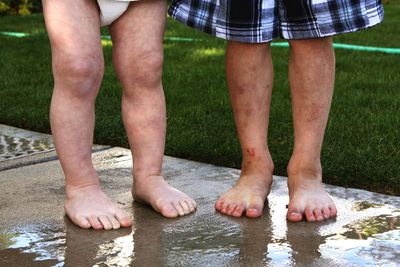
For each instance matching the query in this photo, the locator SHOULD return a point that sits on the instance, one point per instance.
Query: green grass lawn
(362, 142)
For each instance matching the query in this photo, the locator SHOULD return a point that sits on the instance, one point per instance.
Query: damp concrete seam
(37, 153)
(40, 160)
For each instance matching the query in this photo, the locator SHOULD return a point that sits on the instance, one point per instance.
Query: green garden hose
(276, 44)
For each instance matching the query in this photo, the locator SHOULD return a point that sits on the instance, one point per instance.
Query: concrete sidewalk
(34, 231)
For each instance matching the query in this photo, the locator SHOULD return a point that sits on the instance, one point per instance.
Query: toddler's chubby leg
(73, 28)
(138, 58)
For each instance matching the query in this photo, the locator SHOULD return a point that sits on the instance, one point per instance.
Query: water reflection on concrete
(38, 245)
(370, 242)
(201, 241)
(43, 246)
(366, 232)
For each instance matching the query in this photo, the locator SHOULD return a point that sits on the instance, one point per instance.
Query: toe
(178, 208)
(326, 212)
(309, 215)
(219, 204)
(95, 223)
(238, 212)
(254, 211)
(114, 222)
(230, 209)
(168, 210)
(318, 214)
(194, 204)
(224, 208)
(123, 218)
(255, 207)
(82, 222)
(294, 215)
(333, 211)
(185, 206)
(192, 207)
(105, 222)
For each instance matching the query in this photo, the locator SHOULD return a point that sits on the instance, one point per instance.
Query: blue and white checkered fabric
(257, 21)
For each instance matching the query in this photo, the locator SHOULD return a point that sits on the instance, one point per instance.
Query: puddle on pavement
(369, 242)
(32, 246)
(47, 246)
(201, 241)
(363, 205)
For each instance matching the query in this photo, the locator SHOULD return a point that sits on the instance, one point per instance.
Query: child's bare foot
(308, 198)
(89, 207)
(247, 196)
(250, 192)
(156, 192)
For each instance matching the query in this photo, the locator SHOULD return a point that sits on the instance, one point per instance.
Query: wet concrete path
(34, 231)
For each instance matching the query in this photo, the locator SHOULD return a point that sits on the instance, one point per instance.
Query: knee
(311, 45)
(80, 76)
(142, 71)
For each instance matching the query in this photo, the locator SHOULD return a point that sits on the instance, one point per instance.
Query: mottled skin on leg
(138, 61)
(249, 75)
(78, 69)
(311, 82)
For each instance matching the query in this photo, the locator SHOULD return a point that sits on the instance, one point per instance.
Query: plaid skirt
(257, 21)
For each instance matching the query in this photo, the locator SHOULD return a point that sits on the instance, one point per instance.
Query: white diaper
(111, 10)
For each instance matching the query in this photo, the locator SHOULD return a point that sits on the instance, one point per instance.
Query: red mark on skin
(248, 112)
(251, 152)
(316, 112)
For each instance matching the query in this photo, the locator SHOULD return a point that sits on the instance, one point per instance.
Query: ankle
(257, 163)
(72, 190)
(144, 173)
(146, 178)
(301, 167)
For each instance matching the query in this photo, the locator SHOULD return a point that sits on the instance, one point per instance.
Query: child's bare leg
(311, 73)
(138, 60)
(250, 76)
(73, 28)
